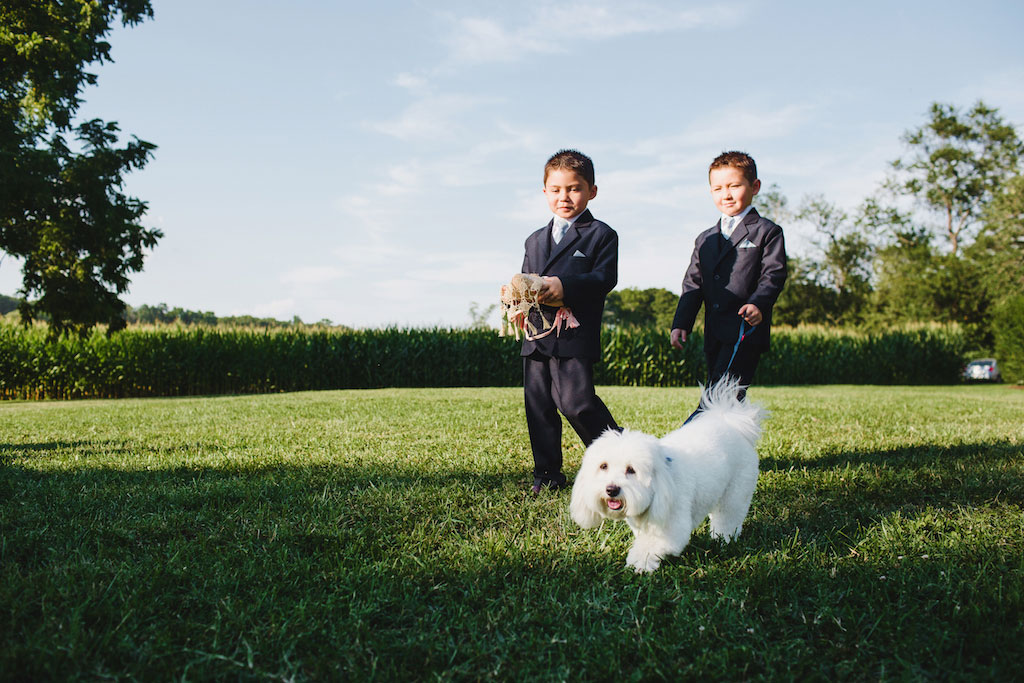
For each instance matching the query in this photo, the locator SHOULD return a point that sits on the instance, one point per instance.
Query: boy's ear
(757, 185)
(593, 192)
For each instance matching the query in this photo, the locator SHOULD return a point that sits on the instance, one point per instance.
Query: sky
(381, 163)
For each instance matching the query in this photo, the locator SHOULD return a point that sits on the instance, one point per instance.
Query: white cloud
(311, 275)
(453, 271)
(483, 40)
(1001, 90)
(656, 185)
(625, 18)
(432, 117)
(732, 125)
(371, 213)
(402, 179)
(412, 82)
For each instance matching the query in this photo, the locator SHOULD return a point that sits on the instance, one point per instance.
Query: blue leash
(744, 330)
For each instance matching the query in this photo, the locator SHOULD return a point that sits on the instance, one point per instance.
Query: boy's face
(567, 193)
(731, 191)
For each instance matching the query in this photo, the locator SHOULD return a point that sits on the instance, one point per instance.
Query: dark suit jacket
(587, 262)
(724, 275)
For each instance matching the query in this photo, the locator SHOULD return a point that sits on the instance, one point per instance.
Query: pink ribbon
(563, 316)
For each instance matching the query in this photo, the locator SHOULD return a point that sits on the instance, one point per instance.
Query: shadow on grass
(325, 570)
(835, 497)
(373, 511)
(911, 456)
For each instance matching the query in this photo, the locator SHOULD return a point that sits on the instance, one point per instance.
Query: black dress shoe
(559, 484)
(551, 484)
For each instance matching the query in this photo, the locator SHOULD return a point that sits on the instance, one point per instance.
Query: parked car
(982, 370)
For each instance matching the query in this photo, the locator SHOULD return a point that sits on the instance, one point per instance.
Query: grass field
(387, 535)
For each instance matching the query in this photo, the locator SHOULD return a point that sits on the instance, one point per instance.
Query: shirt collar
(736, 220)
(572, 221)
(740, 216)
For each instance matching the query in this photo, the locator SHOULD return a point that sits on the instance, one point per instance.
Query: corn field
(178, 361)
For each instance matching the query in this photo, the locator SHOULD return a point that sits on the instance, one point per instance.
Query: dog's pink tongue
(614, 504)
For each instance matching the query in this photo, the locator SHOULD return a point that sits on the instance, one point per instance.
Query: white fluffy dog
(664, 488)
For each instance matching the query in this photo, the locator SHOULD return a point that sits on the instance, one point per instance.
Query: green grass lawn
(388, 535)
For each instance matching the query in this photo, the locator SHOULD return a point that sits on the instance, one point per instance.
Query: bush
(918, 354)
(179, 361)
(1008, 330)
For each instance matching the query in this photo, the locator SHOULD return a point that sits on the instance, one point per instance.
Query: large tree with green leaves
(999, 249)
(62, 206)
(804, 300)
(844, 256)
(631, 307)
(955, 164)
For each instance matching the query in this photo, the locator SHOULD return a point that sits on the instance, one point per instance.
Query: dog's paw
(642, 561)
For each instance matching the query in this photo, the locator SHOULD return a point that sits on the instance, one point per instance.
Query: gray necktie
(558, 229)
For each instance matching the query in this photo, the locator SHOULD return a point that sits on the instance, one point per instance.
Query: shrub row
(1008, 325)
(171, 361)
(804, 355)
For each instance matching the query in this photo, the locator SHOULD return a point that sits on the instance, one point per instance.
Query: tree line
(161, 314)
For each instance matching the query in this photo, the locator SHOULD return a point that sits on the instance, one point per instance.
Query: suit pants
(718, 355)
(566, 385)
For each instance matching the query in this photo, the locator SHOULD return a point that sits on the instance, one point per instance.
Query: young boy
(578, 257)
(737, 271)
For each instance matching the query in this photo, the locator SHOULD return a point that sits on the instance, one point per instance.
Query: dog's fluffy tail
(721, 400)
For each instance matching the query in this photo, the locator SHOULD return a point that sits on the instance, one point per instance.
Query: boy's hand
(551, 290)
(751, 314)
(677, 337)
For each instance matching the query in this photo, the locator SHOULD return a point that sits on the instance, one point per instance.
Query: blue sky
(381, 163)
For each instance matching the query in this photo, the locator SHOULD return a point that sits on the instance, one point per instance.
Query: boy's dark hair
(740, 160)
(571, 160)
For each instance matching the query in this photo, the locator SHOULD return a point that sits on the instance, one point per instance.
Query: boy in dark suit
(737, 271)
(578, 257)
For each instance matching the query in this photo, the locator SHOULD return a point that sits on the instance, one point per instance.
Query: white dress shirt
(729, 223)
(569, 223)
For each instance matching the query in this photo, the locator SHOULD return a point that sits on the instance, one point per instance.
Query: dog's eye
(630, 470)
(603, 466)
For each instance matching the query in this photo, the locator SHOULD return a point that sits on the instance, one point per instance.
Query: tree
(1008, 323)
(999, 249)
(8, 304)
(632, 307)
(903, 287)
(954, 166)
(845, 256)
(804, 299)
(772, 204)
(62, 208)
(478, 315)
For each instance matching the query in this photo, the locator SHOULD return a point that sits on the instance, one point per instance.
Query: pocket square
(746, 244)
(579, 254)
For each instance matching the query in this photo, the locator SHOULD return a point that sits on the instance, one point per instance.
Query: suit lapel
(742, 230)
(545, 247)
(739, 233)
(713, 247)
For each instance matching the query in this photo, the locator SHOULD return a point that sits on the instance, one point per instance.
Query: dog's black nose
(612, 490)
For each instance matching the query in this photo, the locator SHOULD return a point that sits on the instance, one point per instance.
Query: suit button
(718, 277)
(715, 307)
